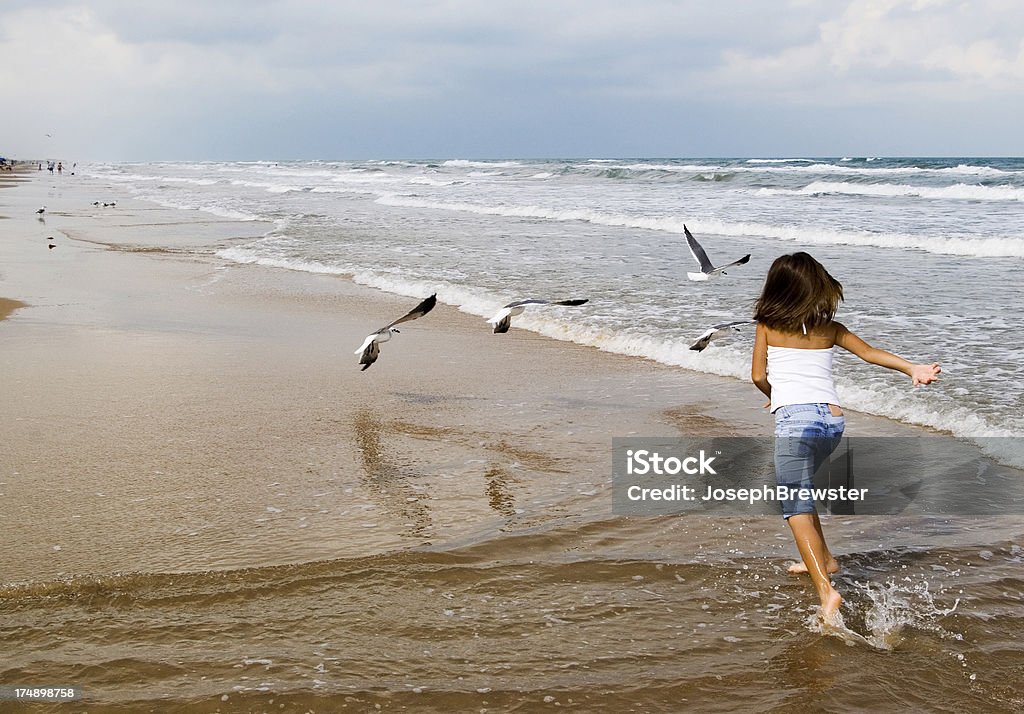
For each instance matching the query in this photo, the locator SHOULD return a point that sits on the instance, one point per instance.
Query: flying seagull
(716, 331)
(502, 320)
(41, 211)
(707, 269)
(370, 348)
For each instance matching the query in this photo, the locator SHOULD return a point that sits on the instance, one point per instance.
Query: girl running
(792, 365)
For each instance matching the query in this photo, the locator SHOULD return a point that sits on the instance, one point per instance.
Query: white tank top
(800, 376)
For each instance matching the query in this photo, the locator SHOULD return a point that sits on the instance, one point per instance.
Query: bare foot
(798, 568)
(830, 605)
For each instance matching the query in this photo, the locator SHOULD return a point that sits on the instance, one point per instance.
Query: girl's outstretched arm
(759, 361)
(919, 373)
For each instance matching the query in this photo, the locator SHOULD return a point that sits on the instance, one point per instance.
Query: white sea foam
(424, 181)
(344, 189)
(211, 208)
(820, 168)
(881, 399)
(951, 245)
(463, 163)
(960, 191)
(374, 178)
(245, 255)
(780, 161)
(193, 181)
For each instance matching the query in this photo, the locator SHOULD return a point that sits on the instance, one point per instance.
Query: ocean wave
(213, 209)
(812, 168)
(725, 360)
(463, 163)
(344, 189)
(947, 245)
(714, 177)
(193, 181)
(880, 400)
(780, 161)
(960, 191)
(246, 255)
(424, 181)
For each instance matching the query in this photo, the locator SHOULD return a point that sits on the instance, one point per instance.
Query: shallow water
(621, 615)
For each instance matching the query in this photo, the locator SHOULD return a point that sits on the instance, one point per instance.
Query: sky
(140, 80)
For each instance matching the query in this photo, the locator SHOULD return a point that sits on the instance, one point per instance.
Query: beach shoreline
(193, 438)
(137, 322)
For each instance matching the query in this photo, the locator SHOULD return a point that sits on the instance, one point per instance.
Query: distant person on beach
(60, 167)
(792, 365)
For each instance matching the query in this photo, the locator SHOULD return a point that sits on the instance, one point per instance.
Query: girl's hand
(925, 373)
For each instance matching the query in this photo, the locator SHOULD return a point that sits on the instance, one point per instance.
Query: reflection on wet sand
(391, 483)
(499, 495)
(393, 453)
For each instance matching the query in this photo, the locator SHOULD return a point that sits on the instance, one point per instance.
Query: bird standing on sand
(716, 331)
(370, 348)
(707, 268)
(502, 320)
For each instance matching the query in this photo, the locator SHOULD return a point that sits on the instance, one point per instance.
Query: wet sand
(7, 306)
(184, 413)
(206, 496)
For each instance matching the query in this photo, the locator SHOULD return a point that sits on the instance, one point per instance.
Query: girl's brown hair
(798, 295)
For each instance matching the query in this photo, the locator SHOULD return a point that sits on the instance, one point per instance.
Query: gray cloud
(314, 78)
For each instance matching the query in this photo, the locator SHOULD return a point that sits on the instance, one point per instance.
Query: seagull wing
(536, 301)
(572, 303)
(503, 319)
(500, 315)
(716, 331)
(698, 252)
(370, 339)
(734, 324)
(703, 341)
(741, 261)
(531, 301)
(419, 311)
(370, 353)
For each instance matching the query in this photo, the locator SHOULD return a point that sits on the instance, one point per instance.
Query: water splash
(887, 610)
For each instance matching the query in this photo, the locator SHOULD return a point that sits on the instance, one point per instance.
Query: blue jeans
(805, 436)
